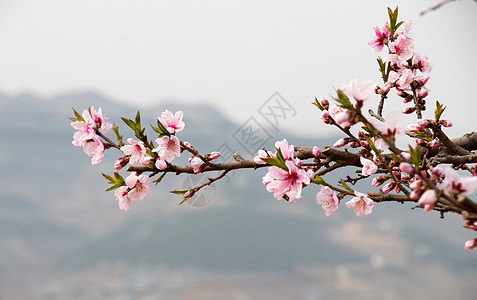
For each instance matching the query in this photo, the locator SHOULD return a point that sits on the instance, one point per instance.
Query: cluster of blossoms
(88, 126)
(92, 126)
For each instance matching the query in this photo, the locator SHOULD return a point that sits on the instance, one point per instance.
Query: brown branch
(435, 7)
(448, 143)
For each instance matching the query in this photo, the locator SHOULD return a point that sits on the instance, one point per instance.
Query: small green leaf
(180, 191)
(130, 123)
(439, 110)
(137, 119)
(78, 117)
(276, 162)
(113, 187)
(119, 137)
(318, 104)
(184, 200)
(343, 100)
(344, 185)
(158, 180)
(415, 156)
(319, 180)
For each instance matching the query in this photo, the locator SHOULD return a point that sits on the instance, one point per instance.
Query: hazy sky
(232, 54)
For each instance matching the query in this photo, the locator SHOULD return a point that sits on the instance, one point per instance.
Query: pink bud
(406, 155)
(387, 87)
(437, 171)
(446, 123)
(377, 90)
(146, 160)
(161, 164)
(414, 127)
(419, 141)
(428, 199)
(408, 110)
(401, 93)
(189, 193)
(212, 155)
(325, 103)
(325, 117)
(341, 142)
(406, 167)
(424, 79)
(423, 93)
(425, 123)
(188, 145)
(434, 143)
(389, 187)
(120, 163)
(471, 244)
(413, 195)
(377, 181)
(316, 152)
(364, 143)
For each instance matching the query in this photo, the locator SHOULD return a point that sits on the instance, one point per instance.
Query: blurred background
(224, 64)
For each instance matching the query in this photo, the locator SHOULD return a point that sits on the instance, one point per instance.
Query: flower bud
(364, 143)
(408, 110)
(212, 155)
(387, 87)
(470, 244)
(423, 93)
(377, 181)
(424, 79)
(325, 103)
(325, 117)
(406, 168)
(434, 143)
(190, 193)
(146, 160)
(341, 142)
(425, 123)
(446, 123)
(121, 162)
(389, 187)
(414, 127)
(316, 152)
(428, 199)
(161, 164)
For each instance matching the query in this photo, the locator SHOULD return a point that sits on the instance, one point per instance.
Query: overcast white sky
(232, 54)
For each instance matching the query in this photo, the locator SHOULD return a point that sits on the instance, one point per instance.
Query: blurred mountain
(56, 220)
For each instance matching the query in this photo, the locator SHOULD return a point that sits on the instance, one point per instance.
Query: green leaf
(415, 156)
(276, 162)
(343, 100)
(78, 117)
(158, 180)
(137, 119)
(113, 187)
(130, 123)
(439, 110)
(184, 200)
(344, 185)
(319, 180)
(115, 181)
(180, 191)
(119, 137)
(318, 104)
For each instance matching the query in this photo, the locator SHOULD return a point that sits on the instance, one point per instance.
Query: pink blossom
(100, 121)
(121, 194)
(138, 186)
(434, 143)
(402, 46)
(328, 199)
(168, 147)
(453, 182)
(316, 152)
(286, 182)
(341, 116)
(361, 204)
(359, 91)
(381, 35)
(196, 163)
(286, 150)
(428, 199)
(173, 123)
(422, 62)
(262, 154)
(85, 130)
(388, 128)
(369, 167)
(470, 244)
(136, 150)
(94, 148)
